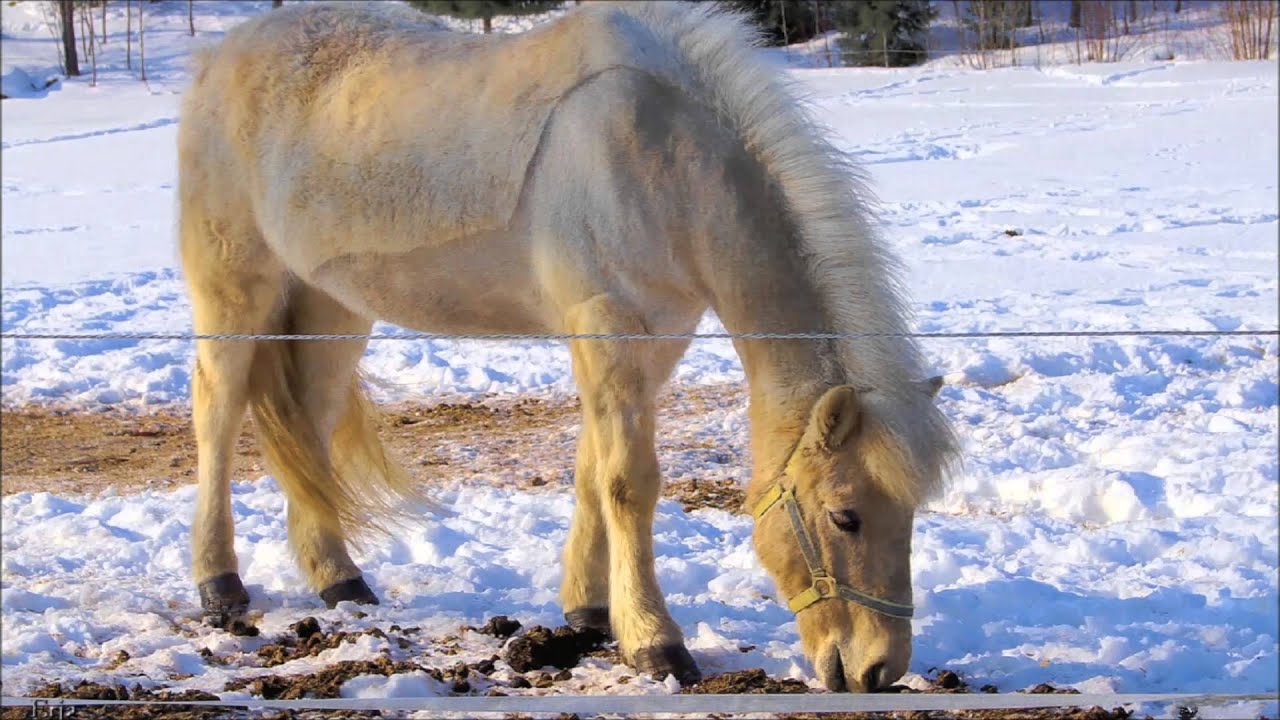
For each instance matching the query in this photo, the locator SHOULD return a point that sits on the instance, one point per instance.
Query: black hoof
(589, 618)
(659, 662)
(226, 604)
(355, 590)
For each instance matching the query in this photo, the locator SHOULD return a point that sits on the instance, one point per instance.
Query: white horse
(619, 170)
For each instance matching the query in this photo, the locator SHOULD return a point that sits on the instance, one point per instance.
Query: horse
(619, 170)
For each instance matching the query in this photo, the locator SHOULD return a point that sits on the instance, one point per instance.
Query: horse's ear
(931, 386)
(836, 417)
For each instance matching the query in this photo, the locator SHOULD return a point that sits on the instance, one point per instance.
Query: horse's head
(834, 530)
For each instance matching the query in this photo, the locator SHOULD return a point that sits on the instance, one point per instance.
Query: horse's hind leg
(235, 286)
(324, 373)
(584, 589)
(619, 382)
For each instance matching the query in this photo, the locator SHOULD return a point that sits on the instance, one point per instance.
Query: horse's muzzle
(833, 672)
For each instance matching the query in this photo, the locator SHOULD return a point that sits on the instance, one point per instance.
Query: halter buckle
(824, 586)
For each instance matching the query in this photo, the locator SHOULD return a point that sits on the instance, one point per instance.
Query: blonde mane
(830, 201)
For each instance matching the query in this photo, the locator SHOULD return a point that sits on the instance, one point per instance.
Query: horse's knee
(636, 493)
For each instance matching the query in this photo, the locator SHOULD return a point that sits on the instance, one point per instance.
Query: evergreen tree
(782, 21)
(888, 33)
(485, 9)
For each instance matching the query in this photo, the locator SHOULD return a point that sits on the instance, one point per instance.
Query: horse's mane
(829, 201)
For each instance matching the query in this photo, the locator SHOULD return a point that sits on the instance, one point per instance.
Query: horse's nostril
(873, 679)
(835, 681)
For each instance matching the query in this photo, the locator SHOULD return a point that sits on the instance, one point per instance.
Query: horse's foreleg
(324, 372)
(618, 382)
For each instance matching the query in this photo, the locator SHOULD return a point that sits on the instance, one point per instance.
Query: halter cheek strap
(822, 585)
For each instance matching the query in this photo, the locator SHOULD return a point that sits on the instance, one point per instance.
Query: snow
(1114, 527)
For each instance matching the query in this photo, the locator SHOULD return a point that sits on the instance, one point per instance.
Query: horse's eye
(846, 520)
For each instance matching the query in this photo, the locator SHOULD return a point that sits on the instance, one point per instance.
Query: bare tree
(1104, 37)
(786, 41)
(104, 22)
(86, 29)
(67, 17)
(1250, 23)
(142, 39)
(819, 28)
(191, 18)
(128, 34)
(84, 41)
(276, 3)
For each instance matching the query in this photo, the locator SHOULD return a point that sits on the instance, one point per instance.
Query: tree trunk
(67, 15)
(128, 34)
(1075, 14)
(1177, 6)
(819, 28)
(276, 3)
(84, 46)
(142, 39)
(488, 24)
(93, 49)
(104, 22)
(786, 40)
(191, 18)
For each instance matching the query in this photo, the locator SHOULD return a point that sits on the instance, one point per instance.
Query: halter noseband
(822, 585)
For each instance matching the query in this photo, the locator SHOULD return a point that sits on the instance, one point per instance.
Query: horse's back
(347, 125)
(386, 161)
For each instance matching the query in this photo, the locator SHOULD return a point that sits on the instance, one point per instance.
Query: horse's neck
(771, 292)
(758, 282)
(785, 378)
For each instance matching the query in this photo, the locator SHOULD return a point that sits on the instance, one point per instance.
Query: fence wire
(704, 705)
(640, 336)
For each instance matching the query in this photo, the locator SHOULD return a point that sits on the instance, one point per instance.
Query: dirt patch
(722, 494)
(98, 691)
(561, 648)
(756, 681)
(499, 626)
(69, 452)
(527, 443)
(308, 640)
(463, 676)
(325, 683)
(745, 682)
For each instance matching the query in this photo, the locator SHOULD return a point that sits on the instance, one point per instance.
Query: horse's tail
(348, 484)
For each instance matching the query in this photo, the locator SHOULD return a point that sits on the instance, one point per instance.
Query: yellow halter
(822, 585)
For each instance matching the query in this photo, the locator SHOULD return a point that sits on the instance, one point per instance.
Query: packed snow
(1114, 527)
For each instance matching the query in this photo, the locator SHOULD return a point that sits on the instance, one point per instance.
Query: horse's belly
(433, 290)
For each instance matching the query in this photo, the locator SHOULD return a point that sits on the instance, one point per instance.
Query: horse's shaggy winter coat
(619, 170)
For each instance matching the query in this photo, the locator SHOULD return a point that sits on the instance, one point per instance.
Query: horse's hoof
(355, 590)
(226, 604)
(589, 618)
(659, 662)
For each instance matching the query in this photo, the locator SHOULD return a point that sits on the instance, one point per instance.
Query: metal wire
(639, 336)
(686, 704)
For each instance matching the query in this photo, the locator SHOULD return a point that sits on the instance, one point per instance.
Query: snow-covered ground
(1114, 526)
